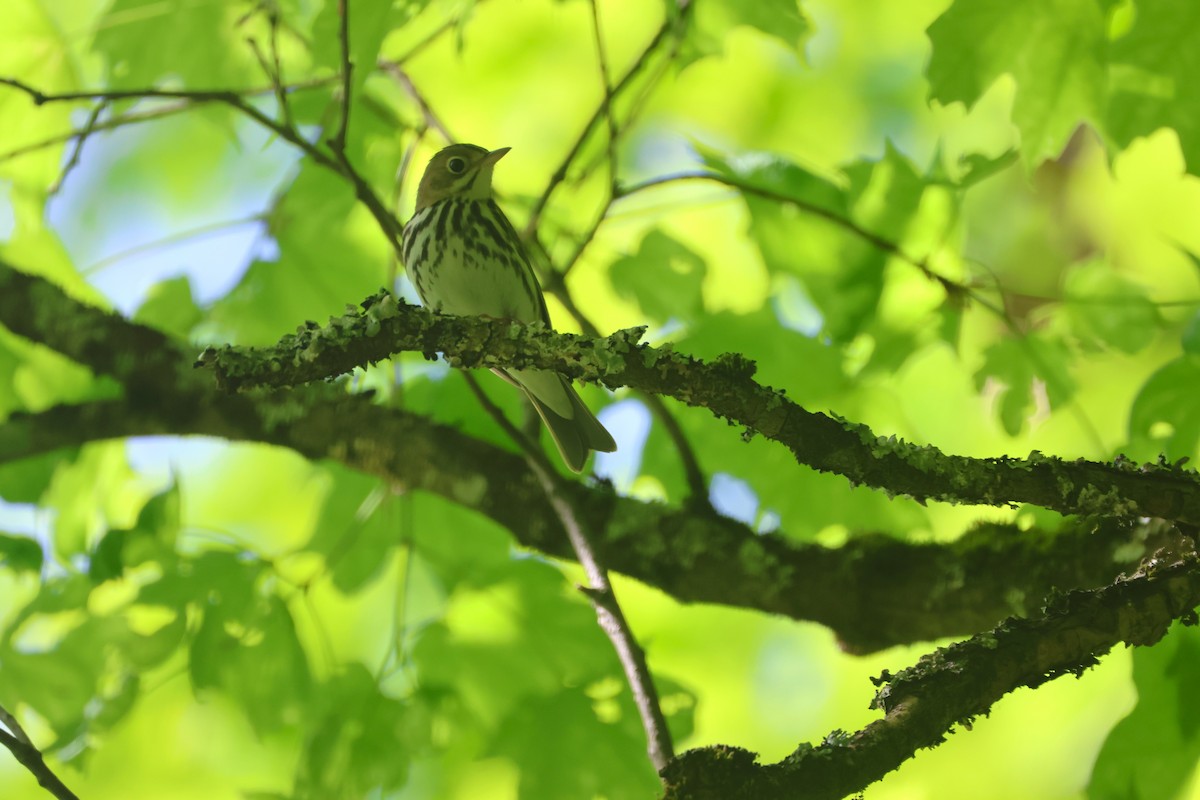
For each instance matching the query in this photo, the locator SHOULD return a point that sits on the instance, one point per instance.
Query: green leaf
(25, 480)
(251, 652)
(196, 43)
(146, 651)
(349, 761)
(1190, 339)
(711, 22)
(1165, 417)
(324, 265)
(664, 277)
(170, 307)
(1016, 364)
(106, 562)
(351, 502)
(96, 490)
(114, 705)
(33, 47)
(978, 167)
(1107, 309)
(20, 553)
(369, 24)
(57, 684)
(1054, 49)
(1152, 753)
(56, 670)
(1156, 76)
(37, 377)
(584, 758)
(779, 176)
(810, 227)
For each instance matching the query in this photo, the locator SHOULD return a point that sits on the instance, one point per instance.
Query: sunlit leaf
(1153, 85)
(1054, 49)
(664, 277)
(1165, 417)
(1020, 366)
(20, 553)
(1153, 751)
(1109, 310)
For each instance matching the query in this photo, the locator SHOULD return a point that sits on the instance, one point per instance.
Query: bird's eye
(457, 165)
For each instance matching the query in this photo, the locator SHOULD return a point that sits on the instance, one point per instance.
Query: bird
(464, 257)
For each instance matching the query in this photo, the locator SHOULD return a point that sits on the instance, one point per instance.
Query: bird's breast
(461, 261)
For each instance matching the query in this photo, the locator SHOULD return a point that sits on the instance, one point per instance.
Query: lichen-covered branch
(873, 592)
(950, 687)
(725, 386)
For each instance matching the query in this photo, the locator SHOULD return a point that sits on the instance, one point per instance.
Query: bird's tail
(574, 428)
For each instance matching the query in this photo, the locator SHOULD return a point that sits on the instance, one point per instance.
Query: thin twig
(560, 174)
(639, 102)
(602, 59)
(9, 721)
(599, 591)
(434, 35)
(432, 120)
(277, 81)
(874, 239)
(338, 142)
(88, 128)
(366, 195)
(136, 117)
(271, 69)
(587, 238)
(23, 750)
(697, 499)
(528, 446)
(174, 238)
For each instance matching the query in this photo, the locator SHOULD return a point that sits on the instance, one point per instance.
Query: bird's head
(460, 170)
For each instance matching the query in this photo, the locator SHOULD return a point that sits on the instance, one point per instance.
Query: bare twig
(272, 69)
(431, 119)
(697, 499)
(8, 720)
(338, 142)
(174, 238)
(366, 195)
(599, 591)
(602, 59)
(433, 36)
(88, 128)
(560, 174)
(136, 117)
(26, 754)
(277, 81)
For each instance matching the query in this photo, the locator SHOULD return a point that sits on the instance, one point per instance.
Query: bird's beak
(495, 155)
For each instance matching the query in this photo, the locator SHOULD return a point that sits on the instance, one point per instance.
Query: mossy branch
(383, 326)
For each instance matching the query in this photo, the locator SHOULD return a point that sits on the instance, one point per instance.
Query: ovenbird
(464, 257)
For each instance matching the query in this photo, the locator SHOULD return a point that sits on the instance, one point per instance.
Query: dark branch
(599, 591)
(726, 387)
(873, 592)
(338, 163)
(670, 24)
(951, 686)
(28, 756)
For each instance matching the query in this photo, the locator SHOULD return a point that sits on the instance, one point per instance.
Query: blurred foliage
(211, 620)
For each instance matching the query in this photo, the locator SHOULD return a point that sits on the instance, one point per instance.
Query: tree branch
(726, 387)
(338, 162)
(950, 687)
(28, 756)
(599, 591)
(872, 592)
